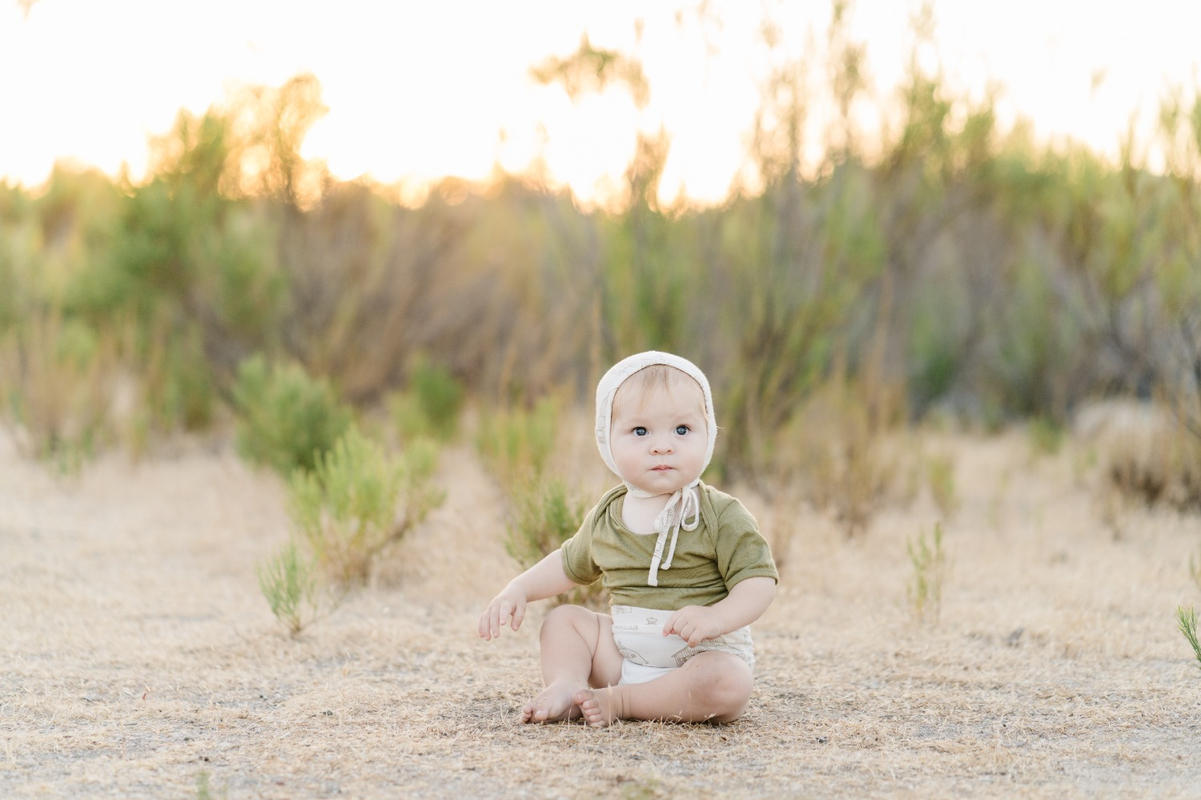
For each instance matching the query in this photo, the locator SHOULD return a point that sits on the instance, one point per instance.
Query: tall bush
(187, 270)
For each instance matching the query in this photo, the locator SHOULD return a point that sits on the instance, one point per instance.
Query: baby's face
(658, 435)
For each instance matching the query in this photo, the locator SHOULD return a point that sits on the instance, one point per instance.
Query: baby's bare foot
(600, 707)
(553, 704)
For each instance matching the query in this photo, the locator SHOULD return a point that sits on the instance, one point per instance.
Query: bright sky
(420, 90)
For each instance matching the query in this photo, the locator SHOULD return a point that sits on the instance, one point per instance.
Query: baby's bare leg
(577, 652)
(712, 686)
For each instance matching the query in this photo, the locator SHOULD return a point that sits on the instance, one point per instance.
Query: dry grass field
(139, 658)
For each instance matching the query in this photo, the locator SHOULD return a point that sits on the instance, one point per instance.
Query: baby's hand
(693, 624)
(507, 608)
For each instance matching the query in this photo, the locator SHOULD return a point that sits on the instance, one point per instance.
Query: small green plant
(430, 406)
(439, 395)
(1187, 619)
(286, 419)
(204, 790)
(1046, 436)
(929, 568)
(516, 443)
(545, 514)
(940, 474)
(346, 507)
(288, 583)
(202, 786)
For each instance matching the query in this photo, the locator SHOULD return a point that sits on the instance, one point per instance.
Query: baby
(684, 564)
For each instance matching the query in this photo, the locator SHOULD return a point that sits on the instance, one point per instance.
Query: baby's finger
(490, 623)
(670, 627)
(518, 616)
(506, 611)
(481, 627)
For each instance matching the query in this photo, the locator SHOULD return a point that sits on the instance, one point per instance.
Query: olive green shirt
(725, 549)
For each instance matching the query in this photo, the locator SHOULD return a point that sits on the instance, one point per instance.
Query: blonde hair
(660, 376)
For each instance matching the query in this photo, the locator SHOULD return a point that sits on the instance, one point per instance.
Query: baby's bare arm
(745, 603)
(544, 579)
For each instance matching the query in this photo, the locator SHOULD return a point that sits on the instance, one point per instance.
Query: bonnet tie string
(683, 510)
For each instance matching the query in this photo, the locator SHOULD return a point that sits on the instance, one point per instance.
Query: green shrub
(431, 405)
(543, 512)
(1028, 347)
(440, 397)
(288, 583)
(286, 419)
(347, 506)
(934, 352)
(516, 443)
(544, 515)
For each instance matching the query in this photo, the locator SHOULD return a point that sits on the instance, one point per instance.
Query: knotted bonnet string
(683, 509)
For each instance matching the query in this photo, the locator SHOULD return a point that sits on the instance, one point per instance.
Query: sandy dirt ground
(139, 659)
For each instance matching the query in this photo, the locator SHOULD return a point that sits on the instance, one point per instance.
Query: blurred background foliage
(945, 268)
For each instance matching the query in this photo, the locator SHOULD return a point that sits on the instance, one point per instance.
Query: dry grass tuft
(1148, 456)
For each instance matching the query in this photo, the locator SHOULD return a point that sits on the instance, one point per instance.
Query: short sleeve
(578, 563)
(742, 552)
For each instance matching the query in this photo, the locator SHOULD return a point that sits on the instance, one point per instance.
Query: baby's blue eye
(640, 431)
(681, 430)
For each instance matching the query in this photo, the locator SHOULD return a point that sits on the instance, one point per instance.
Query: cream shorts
(648, 654)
